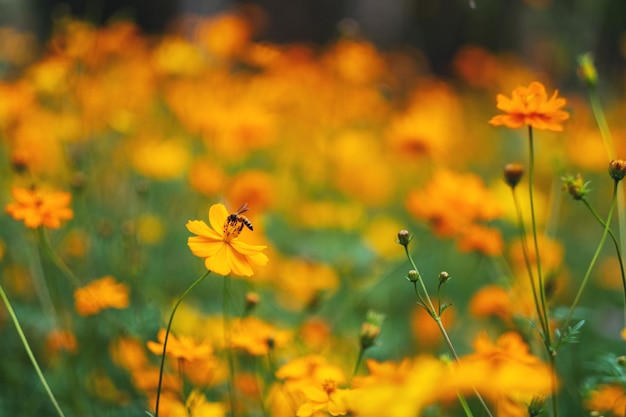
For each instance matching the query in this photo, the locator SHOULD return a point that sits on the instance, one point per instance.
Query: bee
(238, 217)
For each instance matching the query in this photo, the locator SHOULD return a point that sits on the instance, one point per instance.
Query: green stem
(229, 351)
(358, 362)
(46, 245)
(167, 334)
(605, 233)
(428, 305)
(533, 285)
(542, 290)
(464, 405)
(618, 250)
(30, 352)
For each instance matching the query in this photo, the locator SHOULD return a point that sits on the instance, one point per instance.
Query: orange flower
(181, 348)
(38, 208)
(220, 246)
(531, 106)
(257, 337)
(609, 397)
(101, 294)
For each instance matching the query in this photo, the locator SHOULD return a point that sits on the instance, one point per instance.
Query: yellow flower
(323, 398)
(531, 106)
(220, 246)
(36, 208)
(181, 347)
(100, 294)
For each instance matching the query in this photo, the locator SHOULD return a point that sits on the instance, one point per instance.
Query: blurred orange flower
(609, 398)
(180, 348)
(257, 337)
(531, 106)
(37, 208)
(101, 294)
(220, 246)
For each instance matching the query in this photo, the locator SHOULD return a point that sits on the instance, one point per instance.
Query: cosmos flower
(101, 294)
(220, 246)
(37, 208)
(531, 106)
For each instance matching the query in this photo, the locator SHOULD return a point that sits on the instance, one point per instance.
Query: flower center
(232, 228)
(330, 386)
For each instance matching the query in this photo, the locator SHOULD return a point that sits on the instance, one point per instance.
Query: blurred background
(547, 33)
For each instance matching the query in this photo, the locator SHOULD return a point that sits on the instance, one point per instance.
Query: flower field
(201, 224)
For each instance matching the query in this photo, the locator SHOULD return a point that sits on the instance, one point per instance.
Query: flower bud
(575, 186)
(617, 169)
(404, 237)
(252, 300)
(413, 275)
(621, 361)
(443, 277)
(513, 174)
(370, 329)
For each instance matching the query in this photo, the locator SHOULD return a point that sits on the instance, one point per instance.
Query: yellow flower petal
(200, 228)
(217, 217)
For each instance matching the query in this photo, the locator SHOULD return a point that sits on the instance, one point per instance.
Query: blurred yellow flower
(531, 106)
(40, 208)
(101, 294)
(323, 397)
(160, 159)
(181, 347)
(220, 246)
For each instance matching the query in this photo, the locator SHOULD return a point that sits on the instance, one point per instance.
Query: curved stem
(167, 333)
(430, 308)
(593, 260)
(618, 250)
(29, 351)
(51, 254)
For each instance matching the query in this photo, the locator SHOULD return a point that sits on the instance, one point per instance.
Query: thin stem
(358, 362)
(605, 233)
(51, 254)
(542, 290)
(437, 317)
(29, 351)
(229, 351)
(617, 249)
(533, 285)
(464, 405)
(167, 334)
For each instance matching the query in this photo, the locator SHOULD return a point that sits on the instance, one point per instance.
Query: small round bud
(513, 174)
(413, 275)
(443, 277)
(404, 237)
(621, 361)
(370, 329)
(617, 169)
(252, 300)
